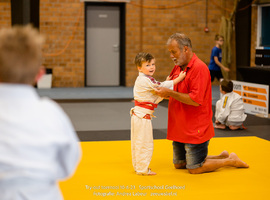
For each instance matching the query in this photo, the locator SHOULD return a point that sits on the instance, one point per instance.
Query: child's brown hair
(226, 85)
(143, 57)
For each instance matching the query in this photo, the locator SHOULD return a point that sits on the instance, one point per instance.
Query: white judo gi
(38, 145)
(141, 126)
(230, 110)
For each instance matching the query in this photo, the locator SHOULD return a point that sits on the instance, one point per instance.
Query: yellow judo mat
(105, 172)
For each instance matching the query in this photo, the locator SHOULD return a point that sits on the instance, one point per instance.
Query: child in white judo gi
(38, 143)
(145, 102)
(230, 109)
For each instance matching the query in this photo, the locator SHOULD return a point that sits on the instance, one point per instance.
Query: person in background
(38, 143)
(215, 65)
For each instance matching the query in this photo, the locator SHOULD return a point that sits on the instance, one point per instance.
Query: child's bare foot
(237, 162)
(224, 154)
(149, 173)
(234, 127)
(220, 126)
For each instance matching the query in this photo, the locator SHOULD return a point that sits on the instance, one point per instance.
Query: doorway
(105, 44)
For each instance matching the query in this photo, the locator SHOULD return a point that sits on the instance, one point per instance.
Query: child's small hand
(168, 78)
(182, 75)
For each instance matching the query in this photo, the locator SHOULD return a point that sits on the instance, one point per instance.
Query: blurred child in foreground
(38, 144)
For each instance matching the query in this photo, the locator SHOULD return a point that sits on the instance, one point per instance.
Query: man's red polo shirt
(186, 123)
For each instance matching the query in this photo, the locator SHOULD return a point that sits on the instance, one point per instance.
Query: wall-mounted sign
(255, 97)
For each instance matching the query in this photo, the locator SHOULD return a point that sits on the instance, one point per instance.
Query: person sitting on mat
(38, 143)
(145, 103)
(230, 109)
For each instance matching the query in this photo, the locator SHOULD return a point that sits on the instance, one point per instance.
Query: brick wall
(147, 29)
(62, 22)
(159, 24)
(5, 14)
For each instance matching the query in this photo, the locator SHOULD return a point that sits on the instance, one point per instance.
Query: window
(263, 31)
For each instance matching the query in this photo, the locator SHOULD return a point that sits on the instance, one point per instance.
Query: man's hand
(182, 97)
(163, 92)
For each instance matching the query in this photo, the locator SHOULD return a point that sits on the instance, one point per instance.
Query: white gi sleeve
(167, 84)
(69, 150)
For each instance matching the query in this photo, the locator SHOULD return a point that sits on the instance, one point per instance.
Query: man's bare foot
(220, 126)
(237, 162)
(180, 166)
(224, 154)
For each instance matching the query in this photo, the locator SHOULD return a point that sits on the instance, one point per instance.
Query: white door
(102, 48)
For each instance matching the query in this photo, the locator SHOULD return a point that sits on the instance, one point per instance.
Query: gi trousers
(142, 145)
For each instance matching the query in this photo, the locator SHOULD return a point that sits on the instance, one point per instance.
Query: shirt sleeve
(215, 52)
(199, 84)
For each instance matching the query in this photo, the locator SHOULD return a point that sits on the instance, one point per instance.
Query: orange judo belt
(147, 105)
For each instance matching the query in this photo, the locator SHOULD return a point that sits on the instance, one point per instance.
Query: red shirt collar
(191, 62)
